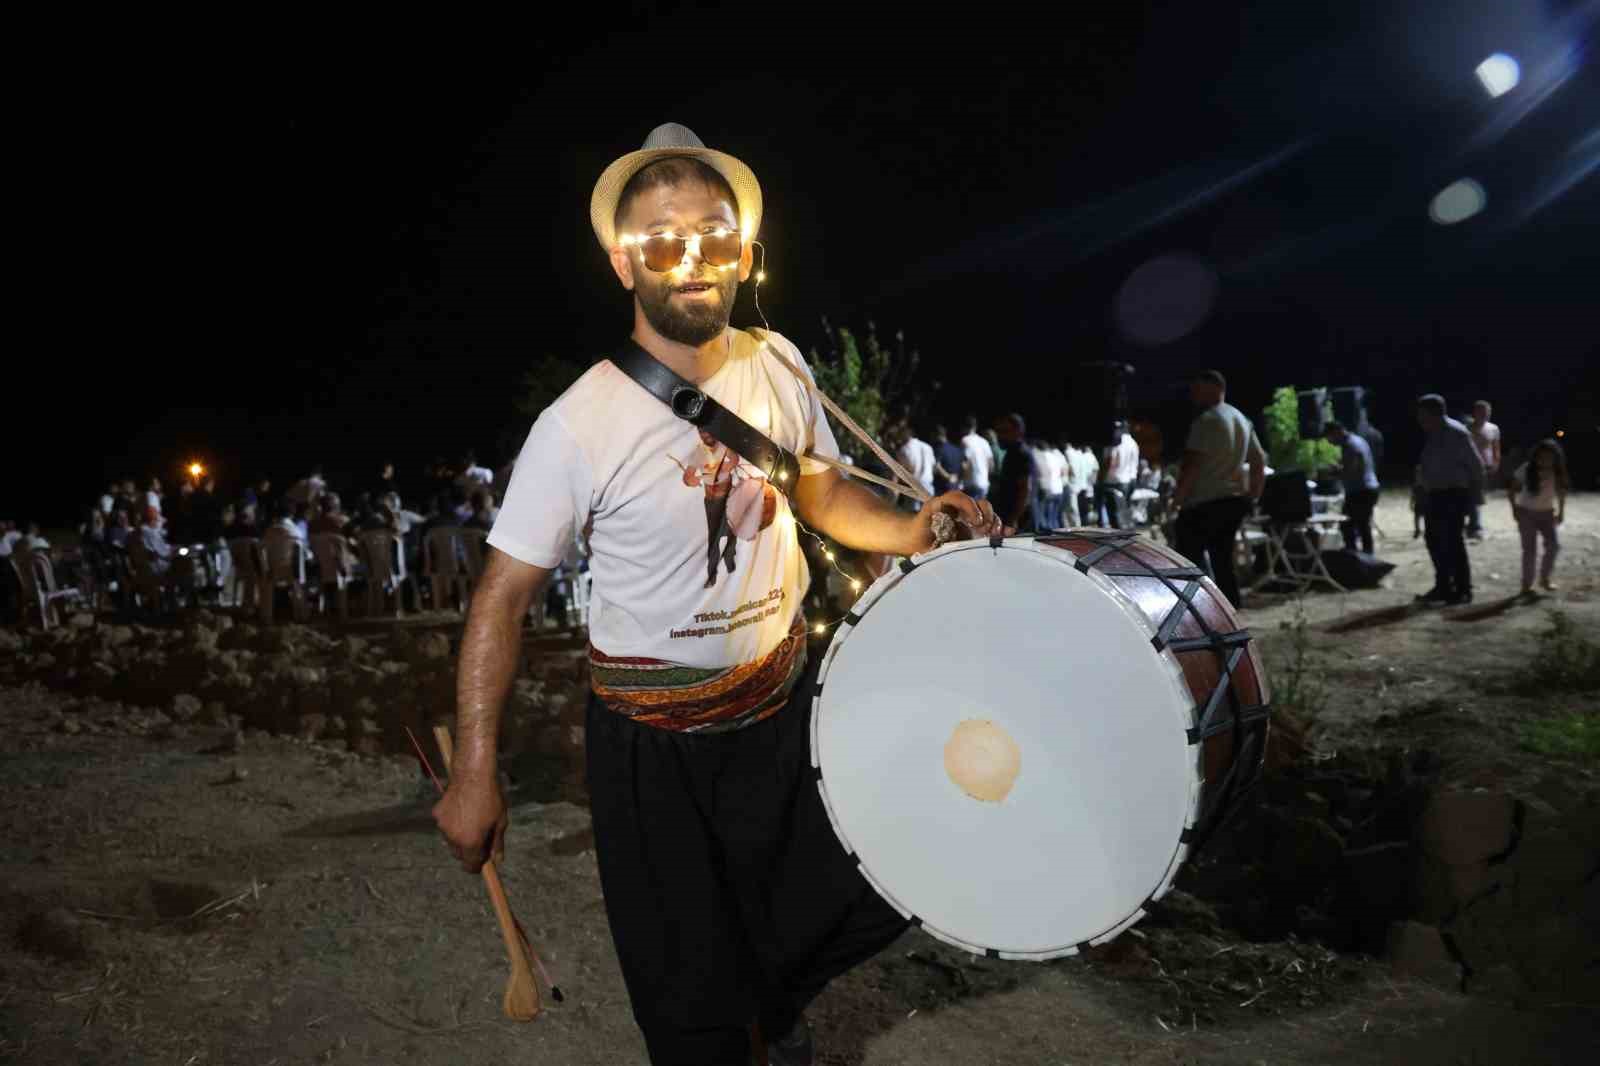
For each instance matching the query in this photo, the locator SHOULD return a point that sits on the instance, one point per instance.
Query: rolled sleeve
(550, 486)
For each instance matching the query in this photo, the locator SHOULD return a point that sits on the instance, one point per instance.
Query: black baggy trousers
(729, 896)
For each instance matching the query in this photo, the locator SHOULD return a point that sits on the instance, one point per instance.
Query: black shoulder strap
(779, 464)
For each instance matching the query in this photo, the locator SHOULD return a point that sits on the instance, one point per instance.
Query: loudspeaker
(1287, 497)
(1097, 409)
(1350, 407)
(1313, 417)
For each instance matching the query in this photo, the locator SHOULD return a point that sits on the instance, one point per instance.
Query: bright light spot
(1458, 201)
(761, 275)
(783, 475)
(829, 555)
(855, 586)
(1561, 433)
(195, 469)
(819, 628)
(1499, 74)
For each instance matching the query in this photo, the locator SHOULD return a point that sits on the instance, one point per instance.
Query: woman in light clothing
(1538, 492)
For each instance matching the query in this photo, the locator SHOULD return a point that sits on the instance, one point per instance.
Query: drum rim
(852, 619)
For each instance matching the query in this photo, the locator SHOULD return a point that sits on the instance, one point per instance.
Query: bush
(1285, 448)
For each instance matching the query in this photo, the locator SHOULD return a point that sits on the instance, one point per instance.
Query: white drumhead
(1060, 662)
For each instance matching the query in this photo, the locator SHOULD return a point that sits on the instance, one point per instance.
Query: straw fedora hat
(671, 139)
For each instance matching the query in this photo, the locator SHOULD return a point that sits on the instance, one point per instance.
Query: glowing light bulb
(761, 275)
(819, 628)
(829, 556)
(195, 469)
(855, 586)
(783, 475)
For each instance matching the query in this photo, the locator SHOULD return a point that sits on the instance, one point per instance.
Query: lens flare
(1457, 202)
(1499, 74)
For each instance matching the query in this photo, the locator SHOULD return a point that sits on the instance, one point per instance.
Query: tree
(876, 385)
(1286, 450)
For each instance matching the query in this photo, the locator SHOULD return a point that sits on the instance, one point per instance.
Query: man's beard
(690, 322)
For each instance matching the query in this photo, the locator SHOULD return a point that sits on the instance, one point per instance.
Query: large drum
(1020, 741)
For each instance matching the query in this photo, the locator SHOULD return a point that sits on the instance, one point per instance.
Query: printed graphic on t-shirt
(739, 501)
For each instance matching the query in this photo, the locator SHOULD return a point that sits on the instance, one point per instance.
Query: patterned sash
(696, 699)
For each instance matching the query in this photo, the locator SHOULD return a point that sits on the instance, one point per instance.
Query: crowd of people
(164, 524)
(1034, 481)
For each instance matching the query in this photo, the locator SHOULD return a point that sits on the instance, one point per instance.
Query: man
(1360, 476)
(152, 495)
(979, 461)
(309, 489)
(1223, 473)
(949, 461)
(1451, 476)
(917, 456)
(1085, 473)
(729, 898)
(1012, 488)
(154, 540)
(1486, 439)
(1119, 467)
(1047, 485)
(1058, 481)
(331, 518)
(473, 478)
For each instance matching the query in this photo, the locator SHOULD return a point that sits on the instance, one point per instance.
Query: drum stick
(522, 993)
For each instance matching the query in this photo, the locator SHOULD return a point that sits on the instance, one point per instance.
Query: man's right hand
(472, 816)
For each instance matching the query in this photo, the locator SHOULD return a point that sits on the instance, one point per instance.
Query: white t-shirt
(153, 499)
(1039, 461)
(1082, 469)
(1123, 465)
(917, 455)
(1544, 501)
(1054, 480)
(1483, 438)
(608, 450)
(980, 460)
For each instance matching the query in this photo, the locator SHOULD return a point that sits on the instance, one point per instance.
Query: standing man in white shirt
(980, 459)
(1224, 472)
(1118, 470)
(1049, 469)
(1486, 439)
(152, 495)
(917, 455)
(730, 899)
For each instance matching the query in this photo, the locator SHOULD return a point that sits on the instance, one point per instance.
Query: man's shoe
(1460, 599)
(1433, 597)
(1550, 586)
(794, 1048)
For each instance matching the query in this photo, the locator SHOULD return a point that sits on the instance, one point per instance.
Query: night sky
(350, 251)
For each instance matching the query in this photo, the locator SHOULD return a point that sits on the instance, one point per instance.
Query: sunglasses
(662, 252)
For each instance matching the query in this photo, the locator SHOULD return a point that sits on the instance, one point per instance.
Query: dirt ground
(199, 898)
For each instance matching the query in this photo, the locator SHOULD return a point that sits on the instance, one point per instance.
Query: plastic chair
(386, 571)
(248, 568)
(444, 564)
(37, 577)
(285, 568)
(334, 568)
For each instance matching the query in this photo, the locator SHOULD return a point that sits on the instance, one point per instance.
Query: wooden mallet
(522, 992)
